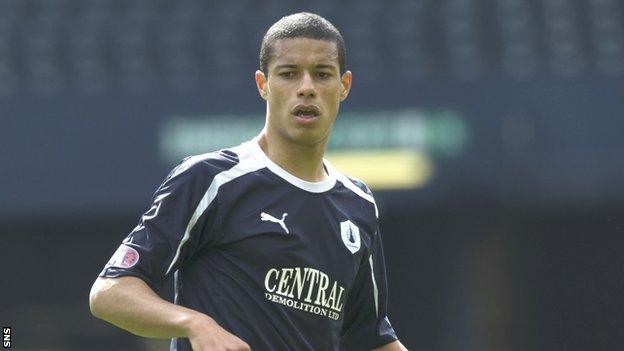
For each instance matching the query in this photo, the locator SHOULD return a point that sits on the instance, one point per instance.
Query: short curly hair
(301, 25)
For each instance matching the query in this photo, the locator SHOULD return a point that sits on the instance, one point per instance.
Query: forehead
(304, 52)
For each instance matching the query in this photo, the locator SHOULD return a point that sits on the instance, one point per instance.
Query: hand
(206, 335)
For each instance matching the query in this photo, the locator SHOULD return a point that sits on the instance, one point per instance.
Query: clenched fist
(206, 335)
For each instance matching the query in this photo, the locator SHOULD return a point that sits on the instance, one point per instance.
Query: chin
(306, 137)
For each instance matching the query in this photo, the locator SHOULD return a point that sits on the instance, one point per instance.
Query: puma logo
(267, 217)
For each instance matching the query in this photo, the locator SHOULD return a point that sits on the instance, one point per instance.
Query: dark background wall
(513, 244)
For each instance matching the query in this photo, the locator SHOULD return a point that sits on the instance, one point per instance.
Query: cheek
(278, 94)
(333, 99)
(276, 98)
(335, 92)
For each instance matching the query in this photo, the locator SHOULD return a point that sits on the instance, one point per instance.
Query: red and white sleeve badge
(124, 257)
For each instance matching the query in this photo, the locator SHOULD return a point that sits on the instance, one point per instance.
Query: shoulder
(205, 165)
(217, 167)
(356, 186)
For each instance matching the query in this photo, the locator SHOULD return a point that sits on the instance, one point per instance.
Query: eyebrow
(323, 66)
(285, 66)
(320, 66)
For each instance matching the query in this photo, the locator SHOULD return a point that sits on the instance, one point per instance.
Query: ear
(261, 84)
(346, 81)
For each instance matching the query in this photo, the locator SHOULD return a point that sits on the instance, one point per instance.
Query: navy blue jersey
(282, 263)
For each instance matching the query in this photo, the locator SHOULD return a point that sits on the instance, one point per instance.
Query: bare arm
(129, 303)
(393, 346)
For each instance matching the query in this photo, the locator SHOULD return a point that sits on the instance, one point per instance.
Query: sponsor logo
(124, 257)
(350, 234)
(267, 217)
(306, 289)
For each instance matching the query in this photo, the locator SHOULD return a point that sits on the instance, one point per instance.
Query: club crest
(124, 257)
(350, 234)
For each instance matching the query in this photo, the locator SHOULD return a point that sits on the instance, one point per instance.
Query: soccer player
(270, 246)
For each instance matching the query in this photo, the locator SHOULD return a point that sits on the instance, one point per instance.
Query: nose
(306, 88)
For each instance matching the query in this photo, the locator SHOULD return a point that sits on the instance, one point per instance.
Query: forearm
(393, 346)
(130, 304)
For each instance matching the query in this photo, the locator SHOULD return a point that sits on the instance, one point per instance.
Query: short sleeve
(366, 325)
(179, 222)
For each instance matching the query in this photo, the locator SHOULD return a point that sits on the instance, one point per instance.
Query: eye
(287, 74)
(323, 75)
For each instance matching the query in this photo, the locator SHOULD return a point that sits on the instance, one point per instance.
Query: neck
(302, 161)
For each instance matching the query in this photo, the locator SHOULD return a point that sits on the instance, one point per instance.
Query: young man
(270, 246)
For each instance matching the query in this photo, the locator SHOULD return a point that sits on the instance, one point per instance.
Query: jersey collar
(314, 187)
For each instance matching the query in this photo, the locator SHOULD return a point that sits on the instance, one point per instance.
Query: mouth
(306, 112)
